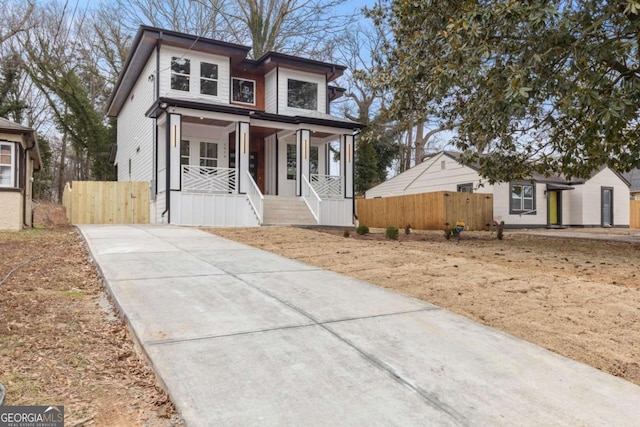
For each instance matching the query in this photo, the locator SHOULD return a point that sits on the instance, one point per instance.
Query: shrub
(346, 233)
(391, 233)
(362, 229)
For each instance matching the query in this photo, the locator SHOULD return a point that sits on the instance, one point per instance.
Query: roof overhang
(559, 187)
(144, 43)
(271, 60)
(163, 105)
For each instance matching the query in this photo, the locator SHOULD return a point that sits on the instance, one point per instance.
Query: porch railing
(327, 186)
(311, 198)
(255, 198)
(204, 178)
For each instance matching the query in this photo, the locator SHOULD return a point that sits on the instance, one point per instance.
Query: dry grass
(60, 343)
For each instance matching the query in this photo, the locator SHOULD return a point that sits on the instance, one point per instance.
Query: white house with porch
(224, 140)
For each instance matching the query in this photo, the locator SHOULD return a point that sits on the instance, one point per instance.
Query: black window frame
(296, 96)
(240, 82)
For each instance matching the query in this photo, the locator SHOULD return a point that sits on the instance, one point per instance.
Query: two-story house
(225, 140)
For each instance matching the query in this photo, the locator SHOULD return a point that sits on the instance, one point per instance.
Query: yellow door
(553, 207)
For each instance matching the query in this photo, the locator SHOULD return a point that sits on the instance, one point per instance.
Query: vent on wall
(443, 164)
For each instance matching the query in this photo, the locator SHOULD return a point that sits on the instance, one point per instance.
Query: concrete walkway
(243, 337)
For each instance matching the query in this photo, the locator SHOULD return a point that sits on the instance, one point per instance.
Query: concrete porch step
(286, 211)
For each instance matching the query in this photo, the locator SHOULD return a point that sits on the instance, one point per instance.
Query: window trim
(188, 76)
(233, 92)
(209, 79)
(12, 165)
(289, 79)
(522, 211)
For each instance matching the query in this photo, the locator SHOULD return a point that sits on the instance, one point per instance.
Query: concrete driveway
(243, 337)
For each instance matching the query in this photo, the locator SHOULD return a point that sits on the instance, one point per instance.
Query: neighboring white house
(602, 200)
(214, 132)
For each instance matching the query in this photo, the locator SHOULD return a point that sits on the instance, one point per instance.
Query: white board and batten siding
(284, 75)
(336, 212)
(135, 131)
(212, 210)
(196, 58)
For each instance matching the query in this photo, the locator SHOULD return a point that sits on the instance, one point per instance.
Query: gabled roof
(7, 126)
(633, 178)
(147, 38)
(11, 127)
(408, 177)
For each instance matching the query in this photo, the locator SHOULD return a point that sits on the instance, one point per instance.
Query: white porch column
(175, 136)
(242, 156)
(346, 163)
(303, 140)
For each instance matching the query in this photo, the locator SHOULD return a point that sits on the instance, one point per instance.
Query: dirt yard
(579, 298)
(60, 341)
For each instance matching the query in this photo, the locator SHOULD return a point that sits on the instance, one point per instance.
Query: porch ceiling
(205, 121)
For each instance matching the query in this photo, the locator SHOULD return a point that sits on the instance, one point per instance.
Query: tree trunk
(63, 161)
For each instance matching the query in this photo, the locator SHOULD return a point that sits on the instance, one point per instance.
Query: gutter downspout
(167, 196)
(353, 176)
(24, 196)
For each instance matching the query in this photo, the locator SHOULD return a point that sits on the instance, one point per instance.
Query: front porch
(219, 167)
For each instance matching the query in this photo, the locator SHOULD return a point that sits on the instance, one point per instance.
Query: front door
(607, 206)
(554, 211)
(287, 167)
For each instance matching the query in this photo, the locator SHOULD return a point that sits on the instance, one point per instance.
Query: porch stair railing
(208, 179)
(327, 186)
(311, 198)
(255, 198)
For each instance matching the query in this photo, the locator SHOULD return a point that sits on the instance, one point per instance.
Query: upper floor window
(522, 199)
(180, 73)
(302, 95)
(244, 91)
(6, 165)
(208, 79)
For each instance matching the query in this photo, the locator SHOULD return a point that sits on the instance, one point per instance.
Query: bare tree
(15, 17)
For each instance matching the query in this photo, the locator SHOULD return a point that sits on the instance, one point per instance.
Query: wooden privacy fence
(428, 211)
(634, 214)
(107, 202)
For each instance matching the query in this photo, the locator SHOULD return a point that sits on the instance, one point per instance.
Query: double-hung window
(208, 79)
(209, 154)
(7, 156)
(180, 73)
(522, 199)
